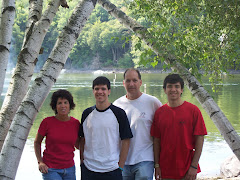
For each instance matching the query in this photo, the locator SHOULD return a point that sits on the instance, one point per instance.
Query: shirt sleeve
(158, 103)
(124, 127)
(42, 130)
(154, 128)
(199, 125)
(80, 132)
(85, 114)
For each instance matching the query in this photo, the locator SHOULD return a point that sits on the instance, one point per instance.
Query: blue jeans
(140, 171)
(86, 174)
(60, 174)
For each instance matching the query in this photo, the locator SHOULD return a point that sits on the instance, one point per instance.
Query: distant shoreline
(107, 70)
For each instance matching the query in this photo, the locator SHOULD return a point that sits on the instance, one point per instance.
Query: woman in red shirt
(61, 132)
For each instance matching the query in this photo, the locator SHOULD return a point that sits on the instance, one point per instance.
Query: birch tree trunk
(6, 24)
(35, 13)
(207, 102)
(22, 122)
(25, 67)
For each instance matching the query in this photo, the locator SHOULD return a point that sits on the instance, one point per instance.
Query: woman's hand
(43, 168)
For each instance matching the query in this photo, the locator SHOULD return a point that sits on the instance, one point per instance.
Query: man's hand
(157, 173)
(191, 174)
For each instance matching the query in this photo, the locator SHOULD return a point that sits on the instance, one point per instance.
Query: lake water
(215, 149)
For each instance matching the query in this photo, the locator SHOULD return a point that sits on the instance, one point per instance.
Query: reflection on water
(80, 85)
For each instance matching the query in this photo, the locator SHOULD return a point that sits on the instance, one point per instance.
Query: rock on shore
(230, 168)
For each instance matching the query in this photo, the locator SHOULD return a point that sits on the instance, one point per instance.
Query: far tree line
(104, 41)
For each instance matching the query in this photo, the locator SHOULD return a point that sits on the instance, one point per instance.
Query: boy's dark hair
(132, 69)
(173, 78)
(64, 94)
(101, 80)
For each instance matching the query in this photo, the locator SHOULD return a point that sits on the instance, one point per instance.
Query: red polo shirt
(176, 128)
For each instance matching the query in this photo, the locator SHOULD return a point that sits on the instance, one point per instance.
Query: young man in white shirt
(105, 135)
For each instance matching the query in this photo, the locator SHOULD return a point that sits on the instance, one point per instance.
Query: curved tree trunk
(6, 24)
(22, 123)
(35, 13)
(207, 102)
(25, 67)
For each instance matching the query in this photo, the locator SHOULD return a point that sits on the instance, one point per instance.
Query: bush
(125, 61)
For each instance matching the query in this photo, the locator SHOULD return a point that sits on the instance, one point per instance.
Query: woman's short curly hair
(64, 94)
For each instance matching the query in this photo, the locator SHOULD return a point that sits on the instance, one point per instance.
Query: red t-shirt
(61, 137)
(176, 128)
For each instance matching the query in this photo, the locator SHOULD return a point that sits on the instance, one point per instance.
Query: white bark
(24, 69)
(207, 102)
(22, 123)
(6, 24)
(35, 13)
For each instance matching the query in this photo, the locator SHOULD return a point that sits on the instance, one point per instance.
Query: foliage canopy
(201, 34)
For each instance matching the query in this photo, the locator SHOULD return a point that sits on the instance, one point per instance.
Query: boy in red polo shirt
(178, 129)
